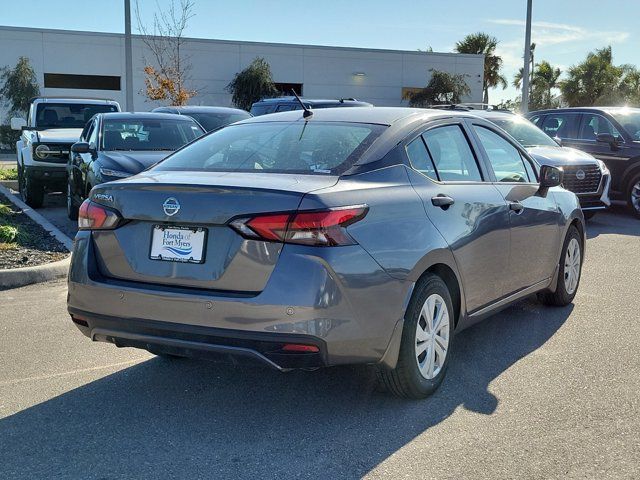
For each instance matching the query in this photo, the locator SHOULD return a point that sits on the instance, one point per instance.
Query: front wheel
(425, 348)
(569, 274)
(633, 196)
(72, 207)
(31, 191)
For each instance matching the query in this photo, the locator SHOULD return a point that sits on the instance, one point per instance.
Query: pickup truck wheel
(32, 192)
(425, 348)
(72, 207)
(633, 195)
(569, 274)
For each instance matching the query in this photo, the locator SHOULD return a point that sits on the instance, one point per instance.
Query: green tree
(442, 88)
(19, 86)
(485, 44)
(595, 81)
(544, 79)
(252, 84)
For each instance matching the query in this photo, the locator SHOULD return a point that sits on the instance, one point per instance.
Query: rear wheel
(425, 348)
(569, 274)
(633, 196)
(72, 207)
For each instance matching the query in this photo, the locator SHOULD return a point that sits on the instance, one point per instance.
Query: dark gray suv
(335, 236)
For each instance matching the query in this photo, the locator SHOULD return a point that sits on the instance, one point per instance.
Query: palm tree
(484, 44)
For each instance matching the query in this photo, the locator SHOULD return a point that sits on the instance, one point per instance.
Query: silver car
(326, 237)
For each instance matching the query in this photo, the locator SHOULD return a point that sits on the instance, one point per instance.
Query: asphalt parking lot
(534, 392)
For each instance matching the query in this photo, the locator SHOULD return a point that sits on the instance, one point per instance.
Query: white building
(92, 64)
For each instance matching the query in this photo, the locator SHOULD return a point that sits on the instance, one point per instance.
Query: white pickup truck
(53, 125)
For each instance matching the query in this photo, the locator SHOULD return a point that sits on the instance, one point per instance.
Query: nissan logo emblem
(580, 175)
(171, 206)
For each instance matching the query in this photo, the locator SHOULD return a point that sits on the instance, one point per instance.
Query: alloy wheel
(572, 266)
(432, 336)
(635, 197)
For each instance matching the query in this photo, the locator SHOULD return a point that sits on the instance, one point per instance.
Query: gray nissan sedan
(314, 238)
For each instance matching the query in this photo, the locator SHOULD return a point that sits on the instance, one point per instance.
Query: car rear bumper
(338, 299)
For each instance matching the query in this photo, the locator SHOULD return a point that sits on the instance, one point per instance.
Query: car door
(614, 155)
(535, 232)
(469, 212)
(76, 175)
(88, 158)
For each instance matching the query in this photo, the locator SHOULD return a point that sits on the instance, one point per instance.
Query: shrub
(8, 233)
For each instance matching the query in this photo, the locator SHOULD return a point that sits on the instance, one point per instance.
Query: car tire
(31, 191)
(424, 352)
(633, 196)
(72, 207)
(569, 273)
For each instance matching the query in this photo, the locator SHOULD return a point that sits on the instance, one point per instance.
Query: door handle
(516, 207)
(442, 201)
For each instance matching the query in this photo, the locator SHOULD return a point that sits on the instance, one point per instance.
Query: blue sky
(564, 30)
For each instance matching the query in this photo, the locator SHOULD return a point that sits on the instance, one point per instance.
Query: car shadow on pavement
(617, 220)
(189, 419)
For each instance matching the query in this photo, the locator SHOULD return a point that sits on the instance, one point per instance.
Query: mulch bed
(33, 246)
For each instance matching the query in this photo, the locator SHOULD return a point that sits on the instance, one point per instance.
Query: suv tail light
(324, 228)
(96, 217)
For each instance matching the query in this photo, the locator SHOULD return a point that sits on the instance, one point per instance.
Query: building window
(285, 88)
(84, 82)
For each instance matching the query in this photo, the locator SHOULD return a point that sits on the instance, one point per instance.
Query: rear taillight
(96, 217)
(325, 228)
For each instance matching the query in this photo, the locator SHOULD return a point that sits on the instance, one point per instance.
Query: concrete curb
(19, 277)
(39, 219)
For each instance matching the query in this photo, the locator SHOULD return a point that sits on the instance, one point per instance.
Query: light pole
(527, 58)
(127, 56)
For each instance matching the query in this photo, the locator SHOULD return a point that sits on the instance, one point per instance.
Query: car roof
(199, 109)
(583, 109)
(310, 101)
(144, 115)
(495, 115)
(376, 115)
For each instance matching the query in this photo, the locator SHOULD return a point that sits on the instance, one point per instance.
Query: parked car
(611, 134)
(211, 118)
(286, 104)
(118, 145)
(584, 175)
(360, 235)
(53, 124)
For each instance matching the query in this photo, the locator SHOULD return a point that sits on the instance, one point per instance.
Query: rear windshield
(68, 115)
(148, 134)
(211, 121)
(278, 147)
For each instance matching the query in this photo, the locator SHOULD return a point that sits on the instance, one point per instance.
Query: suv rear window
(278, 147)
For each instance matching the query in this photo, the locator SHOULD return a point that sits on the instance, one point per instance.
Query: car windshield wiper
(161, 149)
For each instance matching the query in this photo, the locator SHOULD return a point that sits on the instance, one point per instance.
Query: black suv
(611, 134)
(285, 104)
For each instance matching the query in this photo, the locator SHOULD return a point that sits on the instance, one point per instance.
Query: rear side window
(561, 125)
(420, 159)
(506, 161)
(278, 147)
(452, 155)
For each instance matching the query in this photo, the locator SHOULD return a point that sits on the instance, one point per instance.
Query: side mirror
(606, 138)
(80, 147)
(549, 177)
(17, 123)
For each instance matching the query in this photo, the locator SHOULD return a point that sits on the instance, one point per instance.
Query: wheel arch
(452, 281)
